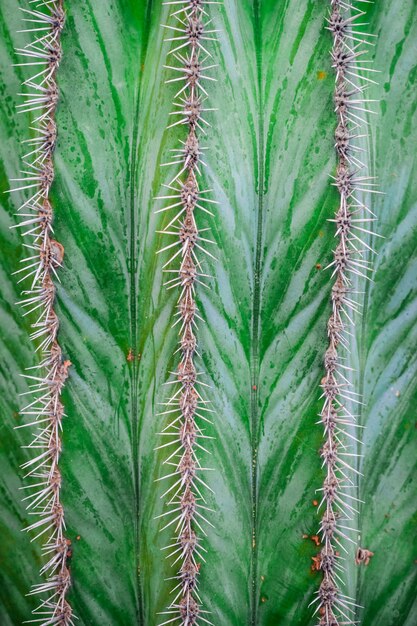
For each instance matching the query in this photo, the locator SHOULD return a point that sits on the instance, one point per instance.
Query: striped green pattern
(264, 336)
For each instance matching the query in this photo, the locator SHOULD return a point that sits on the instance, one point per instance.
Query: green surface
(271, 151)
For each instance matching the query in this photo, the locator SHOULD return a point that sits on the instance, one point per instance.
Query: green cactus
(216, 340)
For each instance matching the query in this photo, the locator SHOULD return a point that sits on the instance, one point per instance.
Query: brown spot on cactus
(363, 556)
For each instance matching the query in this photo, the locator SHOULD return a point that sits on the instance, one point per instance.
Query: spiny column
(350, 264)
(187, 407)
(45, 411)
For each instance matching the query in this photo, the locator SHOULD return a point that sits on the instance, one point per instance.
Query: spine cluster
(350, 264)
(45, 412)
(187, 408)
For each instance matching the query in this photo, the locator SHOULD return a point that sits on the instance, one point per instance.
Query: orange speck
(363, 555)
(78, 537)
(254, 387)
(316, 539)
(130, 356)
(316, 563)
(321, 75)
(318, 266)
(315, 503)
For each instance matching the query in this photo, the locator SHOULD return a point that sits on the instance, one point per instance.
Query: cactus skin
(295, 299)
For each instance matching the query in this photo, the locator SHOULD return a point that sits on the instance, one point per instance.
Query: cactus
(250, 297)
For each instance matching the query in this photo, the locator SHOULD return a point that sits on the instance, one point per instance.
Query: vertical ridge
(187, 406)
(342, 399)
(45, 19)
